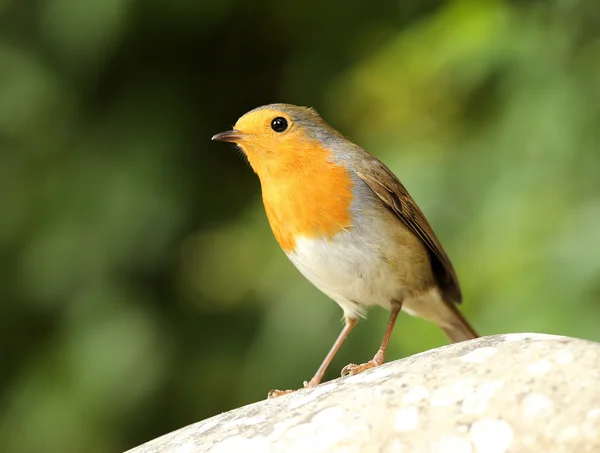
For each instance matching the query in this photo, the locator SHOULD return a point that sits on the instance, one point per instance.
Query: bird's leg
(352, 369)
(316, 379)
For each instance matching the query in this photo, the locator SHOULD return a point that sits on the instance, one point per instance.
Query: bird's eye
(279, 124)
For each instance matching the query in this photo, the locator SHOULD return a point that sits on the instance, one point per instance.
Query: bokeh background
(141, 288)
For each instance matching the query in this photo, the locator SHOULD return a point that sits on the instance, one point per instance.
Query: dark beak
(228, 136)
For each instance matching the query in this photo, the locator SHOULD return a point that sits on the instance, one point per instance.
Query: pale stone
(563, 356)
(451, 394)
(256, 444)
(477, 401)
(540, 367)
(513, 393)
(491, 436)
(535, 405)
(479, 355)
(416, 394)
(454, 445)
(407, 419)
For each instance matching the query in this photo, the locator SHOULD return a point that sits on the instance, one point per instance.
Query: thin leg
(316, 379)
(352, 369)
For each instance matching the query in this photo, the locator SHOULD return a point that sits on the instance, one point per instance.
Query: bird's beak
(228, 136)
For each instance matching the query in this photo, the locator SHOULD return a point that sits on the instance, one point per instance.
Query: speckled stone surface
(512, 393)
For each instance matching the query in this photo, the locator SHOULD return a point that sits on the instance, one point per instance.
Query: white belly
(354, 274)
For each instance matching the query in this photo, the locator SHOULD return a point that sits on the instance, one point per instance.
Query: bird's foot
(352, 369)
(275, 393)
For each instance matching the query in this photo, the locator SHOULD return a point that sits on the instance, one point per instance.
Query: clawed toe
(275, 393)
(352, 369)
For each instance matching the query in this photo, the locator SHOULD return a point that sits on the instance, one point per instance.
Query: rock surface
(505, 393)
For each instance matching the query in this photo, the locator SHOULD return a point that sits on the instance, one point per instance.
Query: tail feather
(456, 327)
(432, 306)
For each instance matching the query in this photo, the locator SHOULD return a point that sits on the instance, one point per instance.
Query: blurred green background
(142, 289)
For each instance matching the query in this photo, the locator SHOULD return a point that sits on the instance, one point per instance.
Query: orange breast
(307, 195)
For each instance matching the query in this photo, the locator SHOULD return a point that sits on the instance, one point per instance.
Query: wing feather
(391, 191)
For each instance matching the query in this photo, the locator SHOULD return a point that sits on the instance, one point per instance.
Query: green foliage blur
(142, 289)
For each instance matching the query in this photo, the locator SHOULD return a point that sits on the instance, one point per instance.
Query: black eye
(279, 124)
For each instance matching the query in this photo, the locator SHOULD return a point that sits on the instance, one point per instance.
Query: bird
(348, 225)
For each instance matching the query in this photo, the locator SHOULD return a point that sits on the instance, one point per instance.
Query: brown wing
(391, 191)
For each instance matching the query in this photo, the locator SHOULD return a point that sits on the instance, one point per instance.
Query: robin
(348, 225)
